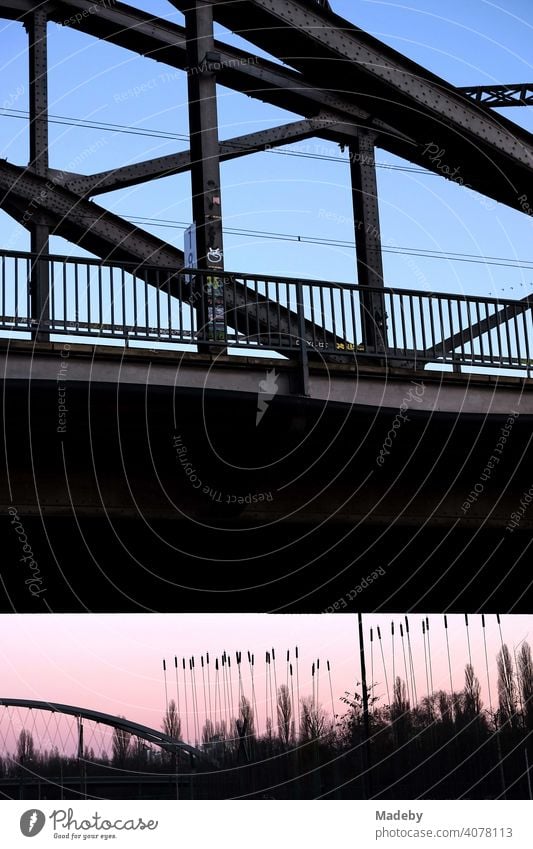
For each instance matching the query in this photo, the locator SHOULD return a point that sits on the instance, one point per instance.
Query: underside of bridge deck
(180, 491)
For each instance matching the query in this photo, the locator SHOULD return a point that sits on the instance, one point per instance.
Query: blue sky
(467, 43)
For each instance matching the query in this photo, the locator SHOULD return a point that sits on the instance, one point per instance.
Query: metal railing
(300, 319)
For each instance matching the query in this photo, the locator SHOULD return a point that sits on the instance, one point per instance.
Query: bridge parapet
(298, 319)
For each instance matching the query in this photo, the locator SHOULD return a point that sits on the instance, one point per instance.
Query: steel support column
(38, 85)
(205, 165)
(368, 238)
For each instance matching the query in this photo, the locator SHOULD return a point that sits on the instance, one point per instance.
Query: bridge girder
(242, 71)
(23, 193)
(178, 163)
(510, 94)
(493, 155)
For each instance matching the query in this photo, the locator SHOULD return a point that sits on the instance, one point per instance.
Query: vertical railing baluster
(312, 313)
(278, 306)
(100, 298)
(52, 295)
(414, 340)
(135, 284)
(158, 303)
(353, 294)
(146, 272)
(123, 302)
(17, 291)
(479, 335)
(76, 297)
(508, 339)
(431, 307)
(392, 324)
(333, 319)
(303, 357)
(269, 328)
(442, 330)
(489, 334)
(526, 341)
(498, 334)
(404, 329)
(343, 317)
(422, 322)
(469, 317)
(169, 276)
(323, 317)
(88, 299)
(257, 322)
(4, 290)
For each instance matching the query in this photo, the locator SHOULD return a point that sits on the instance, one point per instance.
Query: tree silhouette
(507, 694)
(525, 683)
(25, 747)
(172, 722)
(285, 724)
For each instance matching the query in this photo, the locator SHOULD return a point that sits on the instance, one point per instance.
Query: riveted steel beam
(480, 149)
(36, 24)
(205, 165)
(236, 69)
(368, 238)
(413, 133)
(352, 52)
(177, 163)
(82, 222)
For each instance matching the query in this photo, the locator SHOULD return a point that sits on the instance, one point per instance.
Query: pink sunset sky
(113, 663)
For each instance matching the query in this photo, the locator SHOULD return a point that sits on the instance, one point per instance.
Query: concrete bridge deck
(156, 488)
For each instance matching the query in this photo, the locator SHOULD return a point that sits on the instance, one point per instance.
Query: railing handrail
(271, 278)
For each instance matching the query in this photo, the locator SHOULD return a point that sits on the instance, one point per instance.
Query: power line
(452, 256)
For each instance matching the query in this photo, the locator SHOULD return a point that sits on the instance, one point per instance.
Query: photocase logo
(32, 822)
(268, 389)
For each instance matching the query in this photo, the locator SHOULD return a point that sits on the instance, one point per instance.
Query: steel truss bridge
(328, 341)
(386, 101)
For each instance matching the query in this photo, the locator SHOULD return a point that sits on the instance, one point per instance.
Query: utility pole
(366, 716)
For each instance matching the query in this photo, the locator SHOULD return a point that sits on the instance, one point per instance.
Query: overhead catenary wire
(118, 129)
(451, 256)
(169, 136)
